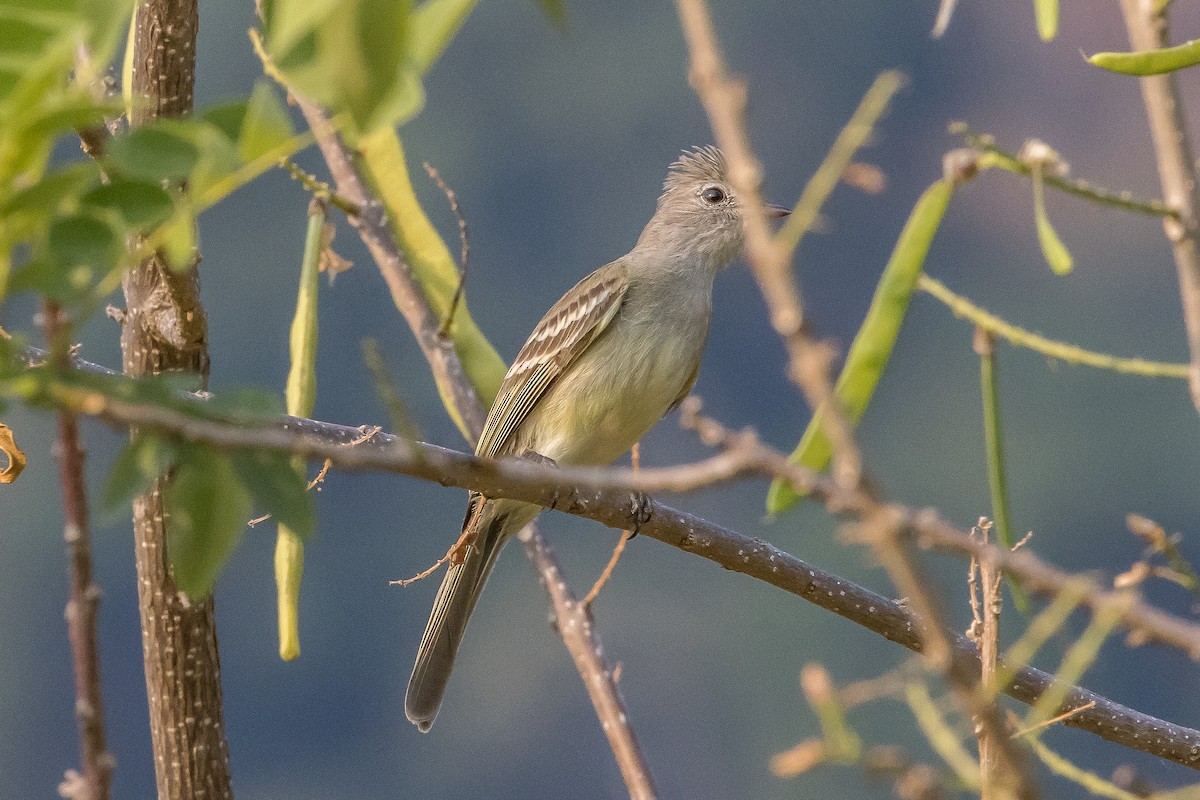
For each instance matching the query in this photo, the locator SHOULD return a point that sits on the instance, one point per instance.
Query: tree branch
(165, 328)
(613, 496)
(1146, 23)
(94, 780)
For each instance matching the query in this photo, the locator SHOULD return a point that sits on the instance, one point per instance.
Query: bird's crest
(696, 165)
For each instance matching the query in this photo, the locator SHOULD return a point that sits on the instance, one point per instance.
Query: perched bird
(609, 359)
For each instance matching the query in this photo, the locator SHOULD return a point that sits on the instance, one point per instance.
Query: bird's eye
(713, 195)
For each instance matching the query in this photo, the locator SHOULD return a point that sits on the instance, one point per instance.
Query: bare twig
(1146, 23)
(1063, 717)
(606, 573)
(465, 254)
(94, 780)
(576, 628)
(995, 767)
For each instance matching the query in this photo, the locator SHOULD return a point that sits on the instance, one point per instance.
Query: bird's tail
(451, 609)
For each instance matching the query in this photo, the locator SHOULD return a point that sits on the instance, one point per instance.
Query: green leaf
(152, 153)
(226, 117)
(1150, 62)
(1046, 12)
(23, 36)
(872, 347)
(266, 124)
(140, 204)
(433, 26)
(143, 461)
(355, 60)
(47, 195)
(1053, 250)
(208, 508)
(279, 486)
(83, 240)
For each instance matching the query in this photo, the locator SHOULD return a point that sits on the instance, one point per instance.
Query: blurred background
(556, 143)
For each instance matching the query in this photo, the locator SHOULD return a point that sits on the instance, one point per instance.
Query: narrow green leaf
(140, 204)
(144, 460)
(153, 154)
(278, 486)
(301, 393)
(1150, 62)
(266, 124)
(433, 26)
(1046, 12)
(872, 347)
(208, 507)
(1053, 250)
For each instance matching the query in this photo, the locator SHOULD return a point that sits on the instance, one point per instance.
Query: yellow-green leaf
(208, 508)
(1150, 62)
(1053, 250)
(872, 347)
(1046, 12)
(433, 27)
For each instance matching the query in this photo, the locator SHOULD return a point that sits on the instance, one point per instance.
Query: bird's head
(698, 214)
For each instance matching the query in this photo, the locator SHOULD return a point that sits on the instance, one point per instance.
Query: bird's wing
(568, 328)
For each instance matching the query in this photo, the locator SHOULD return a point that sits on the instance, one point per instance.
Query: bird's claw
(641, 508)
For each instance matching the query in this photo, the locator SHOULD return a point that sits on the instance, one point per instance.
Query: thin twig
(1069, 353)
(578, 633)
(94, 780)
(1146, 23)
(606, 573)
(465, 242)
(851, 138)
(995, 156)
(1054, 720)
(319, 188)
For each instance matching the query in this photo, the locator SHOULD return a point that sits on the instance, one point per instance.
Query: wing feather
(566, 331)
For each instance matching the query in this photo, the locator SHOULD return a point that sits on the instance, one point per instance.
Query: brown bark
(165, 329)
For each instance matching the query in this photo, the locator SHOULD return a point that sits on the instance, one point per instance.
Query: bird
(606, 362)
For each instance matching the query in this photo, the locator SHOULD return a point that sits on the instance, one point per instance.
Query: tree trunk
(166, 329)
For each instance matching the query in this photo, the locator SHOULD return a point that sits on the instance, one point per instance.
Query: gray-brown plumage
(613, 355)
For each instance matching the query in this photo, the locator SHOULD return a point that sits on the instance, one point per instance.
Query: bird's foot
(641, 508)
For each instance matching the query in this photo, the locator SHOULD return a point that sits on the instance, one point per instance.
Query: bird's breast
(619, 388)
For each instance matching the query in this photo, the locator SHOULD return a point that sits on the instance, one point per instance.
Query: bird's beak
(775, 212)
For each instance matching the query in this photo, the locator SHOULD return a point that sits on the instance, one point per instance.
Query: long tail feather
(448, 621)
